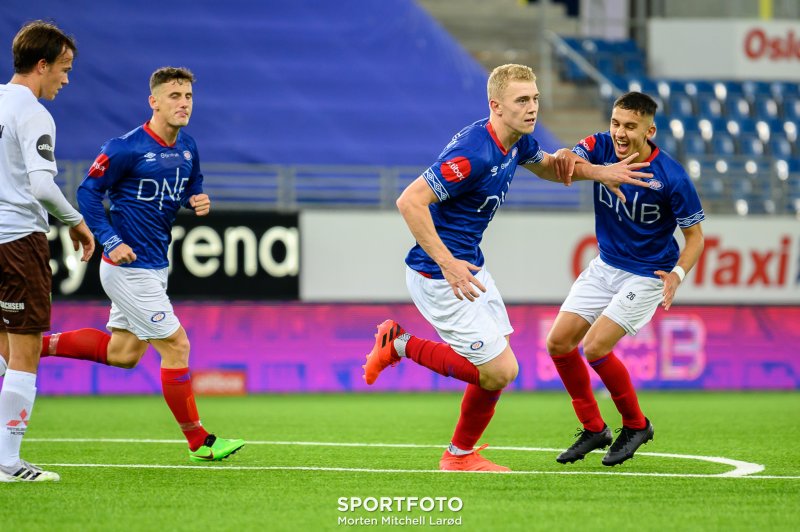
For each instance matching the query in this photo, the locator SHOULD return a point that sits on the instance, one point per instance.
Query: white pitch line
(434, 471)
(740, 468)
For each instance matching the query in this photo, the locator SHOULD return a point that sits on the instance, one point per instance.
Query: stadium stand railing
(262, 187)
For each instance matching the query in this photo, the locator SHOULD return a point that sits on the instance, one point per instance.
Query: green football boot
(214, 449)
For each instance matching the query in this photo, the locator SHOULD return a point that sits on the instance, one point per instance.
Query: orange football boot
(469, 462)
(383, 353)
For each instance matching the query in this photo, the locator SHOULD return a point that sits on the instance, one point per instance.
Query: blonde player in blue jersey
(148, 174)
(639, 267)
(447, 209)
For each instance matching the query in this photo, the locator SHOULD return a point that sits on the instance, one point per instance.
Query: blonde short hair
(503, 75)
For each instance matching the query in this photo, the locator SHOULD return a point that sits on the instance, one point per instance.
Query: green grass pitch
(287, 478)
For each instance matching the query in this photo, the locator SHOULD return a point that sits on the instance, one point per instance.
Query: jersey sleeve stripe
(435, 185)
(689, 221)
(537, 158)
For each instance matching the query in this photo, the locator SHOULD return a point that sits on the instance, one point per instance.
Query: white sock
(16, 404)
(452, 449)
(3, 366)
(400, 344)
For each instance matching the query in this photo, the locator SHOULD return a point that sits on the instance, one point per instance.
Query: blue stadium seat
(708, 106)
(571, 72)
(712, 126)
(711, 188)
(766, 108)
(738, 126)
(695, 88)
(681, 126)
(634, 65)
(667, 143)
(673, 86)
(641, 83)
(754, 90)
(742, 187)
(727, 89)
(750, 145)
(722, 144)
(737, 106)
(779, 146)
(693, 144)
(680, 106)
(782, 89)
(661, 122)
(791, 108)
(606, 64)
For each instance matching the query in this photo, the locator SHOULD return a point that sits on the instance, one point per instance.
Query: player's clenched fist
(200, 203)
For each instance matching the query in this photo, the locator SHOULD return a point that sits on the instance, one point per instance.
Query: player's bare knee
(558, 346)
(127, 362)
(593, 351)
(500, 378)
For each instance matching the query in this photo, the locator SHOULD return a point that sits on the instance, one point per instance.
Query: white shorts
(477, 329)
(139, 301)
(629, 300)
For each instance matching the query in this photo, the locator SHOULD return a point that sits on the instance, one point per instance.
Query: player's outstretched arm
(565, 166)
(414, 205)
(695, 242)
(201, 204)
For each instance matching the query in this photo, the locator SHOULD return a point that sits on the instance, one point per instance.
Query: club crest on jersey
(456, 169)
(187, 155)
(158, 316)
(149, 157)
(655, 184)
(99, 166)
(476, 345)
(588, 143)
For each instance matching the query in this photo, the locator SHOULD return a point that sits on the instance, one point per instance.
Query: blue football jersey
(147, 181)
(638, 236)
(471, 179)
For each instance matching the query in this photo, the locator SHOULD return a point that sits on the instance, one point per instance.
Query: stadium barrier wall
(302, 347)
(535, 258)
(230, 255)
(732, 48)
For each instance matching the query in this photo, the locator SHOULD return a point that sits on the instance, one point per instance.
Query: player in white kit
(43, 56)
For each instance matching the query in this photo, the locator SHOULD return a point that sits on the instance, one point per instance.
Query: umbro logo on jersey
(150, 156)
(99, 166)
(44, 146)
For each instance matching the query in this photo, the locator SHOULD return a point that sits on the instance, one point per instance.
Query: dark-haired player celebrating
(640, 265)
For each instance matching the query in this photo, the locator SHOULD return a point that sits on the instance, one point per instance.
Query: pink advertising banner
(300, 347)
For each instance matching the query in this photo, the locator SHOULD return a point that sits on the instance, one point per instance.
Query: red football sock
(477, 409)
(575, 376)
(176, 385)
(441, 358)
(616, 378)
(81, 344)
